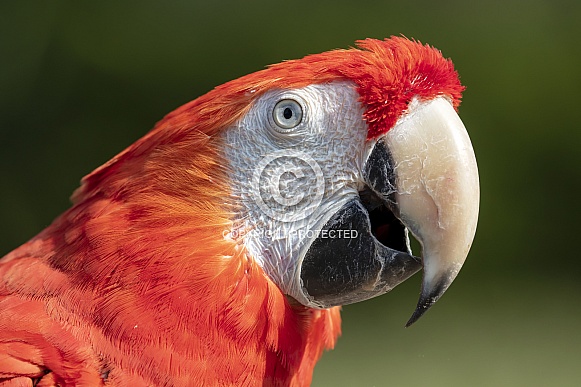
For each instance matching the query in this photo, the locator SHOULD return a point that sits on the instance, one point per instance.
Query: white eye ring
(287, 113)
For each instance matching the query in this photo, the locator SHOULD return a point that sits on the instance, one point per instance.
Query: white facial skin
(289, 180)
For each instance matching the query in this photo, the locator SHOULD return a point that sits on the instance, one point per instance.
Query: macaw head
(338, 158)
(320, 168)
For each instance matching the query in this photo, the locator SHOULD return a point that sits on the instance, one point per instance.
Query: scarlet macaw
(218, 248)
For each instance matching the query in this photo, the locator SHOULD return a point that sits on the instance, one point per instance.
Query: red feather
(135, 285)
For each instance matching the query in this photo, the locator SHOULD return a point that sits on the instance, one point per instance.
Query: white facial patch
(295, 159)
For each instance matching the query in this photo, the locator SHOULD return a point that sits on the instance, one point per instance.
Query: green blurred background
(79, 81)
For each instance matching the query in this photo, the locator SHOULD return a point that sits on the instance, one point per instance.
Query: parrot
(219, 248)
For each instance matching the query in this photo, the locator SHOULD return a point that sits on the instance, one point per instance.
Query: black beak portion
(347, 264)
(427, 299)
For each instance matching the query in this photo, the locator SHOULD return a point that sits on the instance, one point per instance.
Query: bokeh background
(79, 81)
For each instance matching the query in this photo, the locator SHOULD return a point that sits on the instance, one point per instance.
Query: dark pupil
(288, 113)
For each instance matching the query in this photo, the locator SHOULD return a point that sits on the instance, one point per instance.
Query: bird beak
(437, 191)
(421, 176)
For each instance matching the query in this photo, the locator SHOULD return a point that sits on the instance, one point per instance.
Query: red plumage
(135, 285)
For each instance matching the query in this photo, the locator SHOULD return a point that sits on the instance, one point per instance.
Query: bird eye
(287, 113)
